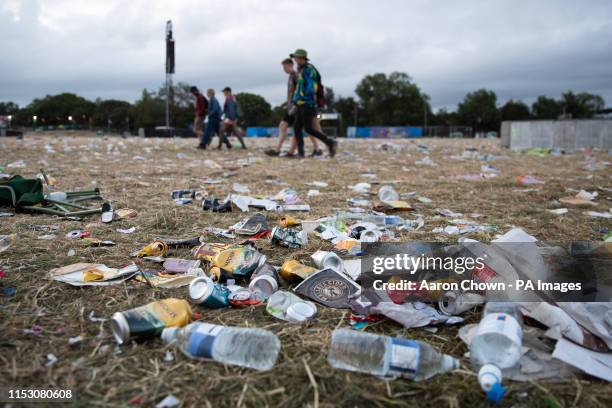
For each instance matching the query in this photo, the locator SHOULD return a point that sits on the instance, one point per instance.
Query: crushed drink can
(208, 250)
(264, 280)
(327, 259)
(288, 237)
(292, 270)
(240, 260)
(243, 297)
(182, 201)
(149, 320)
(288, 221)
(155, 248)
(189, 193)
(205, 292)
(219, 275)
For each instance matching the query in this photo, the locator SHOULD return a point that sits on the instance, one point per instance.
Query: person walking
(305, 100)
(230, 123)
(289, 116)
(214, 118)
(199, 115)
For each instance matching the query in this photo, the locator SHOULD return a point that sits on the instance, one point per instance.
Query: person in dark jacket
(200, 113)
(289, 118)
(305, 100)
(214, 118)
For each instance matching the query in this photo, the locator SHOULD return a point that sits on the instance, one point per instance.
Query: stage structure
(169, 68)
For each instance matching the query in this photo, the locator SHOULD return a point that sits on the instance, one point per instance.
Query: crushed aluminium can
(292, 270)
(183, 194)
(240, 260)
(288, 237)
(243, 297)
(219, 275)
(149, 320)
(288, 221)
(205, 292)
(208, 250)
(182, 201)
(264, 280)
(78, 234)
(155, 248)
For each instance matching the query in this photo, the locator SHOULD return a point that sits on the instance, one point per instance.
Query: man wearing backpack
(307, 96)
(288, 119)
(231, 110)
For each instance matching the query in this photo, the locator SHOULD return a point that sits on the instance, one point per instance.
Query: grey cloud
(114, 49)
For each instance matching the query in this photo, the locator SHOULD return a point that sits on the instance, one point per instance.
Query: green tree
(278, 112)
(347, 107)
(594, 103)
(56, 109)
(391, 100)
(582, 105)
(8, 108)
(546, 108)
(445, 118)
(330, 99)
(256, 111)
(113, 113)
(182, 104)
(149, 110)
(514, 110)
(479, 110)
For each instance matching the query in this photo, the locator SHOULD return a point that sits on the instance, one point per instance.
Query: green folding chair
(28, 195)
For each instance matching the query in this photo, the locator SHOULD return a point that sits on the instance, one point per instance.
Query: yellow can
(288, 221)
(292, 270)
(149, 320)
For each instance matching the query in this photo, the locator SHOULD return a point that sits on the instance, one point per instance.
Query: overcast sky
(115, 48)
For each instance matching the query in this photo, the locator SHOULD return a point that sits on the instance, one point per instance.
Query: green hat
(300, 53)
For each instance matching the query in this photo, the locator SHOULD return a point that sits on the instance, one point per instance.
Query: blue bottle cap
(496, 393)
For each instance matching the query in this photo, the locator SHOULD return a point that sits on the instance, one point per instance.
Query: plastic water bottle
(6, 241)
(246, 347)
(496, 348)
(387, 193)
(375, 219)
(386, 356)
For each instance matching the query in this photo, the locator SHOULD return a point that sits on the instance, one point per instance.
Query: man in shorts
(289, 116)
(306, 98)
(230, 123)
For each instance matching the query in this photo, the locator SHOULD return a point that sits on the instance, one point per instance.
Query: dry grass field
(140, 174)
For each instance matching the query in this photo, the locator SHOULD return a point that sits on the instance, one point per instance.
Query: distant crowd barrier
(369, 132)
(384, 132)
(265, 132)
(568, 135)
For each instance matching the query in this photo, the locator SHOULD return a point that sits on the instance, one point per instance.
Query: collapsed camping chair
(27, 195)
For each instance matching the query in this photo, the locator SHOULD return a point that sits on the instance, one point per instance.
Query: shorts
(290, 119)
(197, 124)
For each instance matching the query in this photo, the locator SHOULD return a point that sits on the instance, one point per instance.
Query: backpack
(239, 112)
(321, 102)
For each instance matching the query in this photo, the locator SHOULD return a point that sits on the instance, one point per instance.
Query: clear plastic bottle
(386, 356)
(387, 193)
(6, 241)
(246, 347)
(495, 350)
(375, 219)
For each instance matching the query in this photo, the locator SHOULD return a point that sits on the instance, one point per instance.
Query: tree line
(381, 100)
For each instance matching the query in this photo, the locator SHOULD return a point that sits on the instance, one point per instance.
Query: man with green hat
(305, 100)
